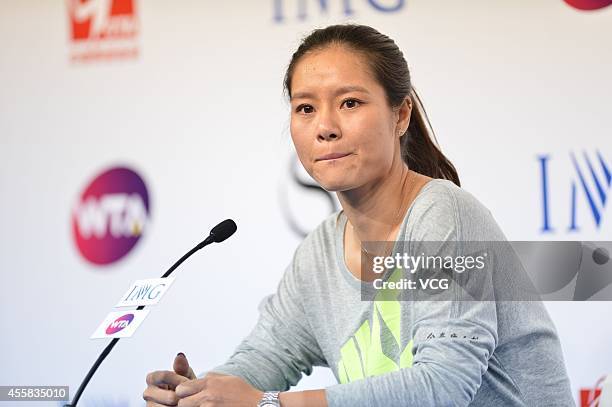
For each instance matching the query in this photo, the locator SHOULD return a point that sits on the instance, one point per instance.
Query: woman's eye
(305, 108)
(351, 103)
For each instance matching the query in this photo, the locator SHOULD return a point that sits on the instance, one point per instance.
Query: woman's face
(344, 131)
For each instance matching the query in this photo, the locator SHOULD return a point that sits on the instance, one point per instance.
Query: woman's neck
(374, 210)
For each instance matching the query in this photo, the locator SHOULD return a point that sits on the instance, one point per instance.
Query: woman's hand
(217, 390)
(161, 384)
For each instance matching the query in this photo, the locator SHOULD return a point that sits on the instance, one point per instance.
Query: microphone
(217, 234)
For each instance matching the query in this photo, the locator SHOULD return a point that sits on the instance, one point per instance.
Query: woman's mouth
(332, 156)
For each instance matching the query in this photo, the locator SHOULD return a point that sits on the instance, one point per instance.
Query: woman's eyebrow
(340, 91)
(351, 88)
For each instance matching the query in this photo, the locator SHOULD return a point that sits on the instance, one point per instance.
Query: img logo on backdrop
(585, 188)
(110, 215)
(102, 29)
(302, 10)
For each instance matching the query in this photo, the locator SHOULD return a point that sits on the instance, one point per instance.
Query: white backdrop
(192, 101)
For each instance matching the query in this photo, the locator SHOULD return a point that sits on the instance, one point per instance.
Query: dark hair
(387, 62)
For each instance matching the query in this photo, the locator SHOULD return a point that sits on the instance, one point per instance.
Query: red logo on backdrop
(588, 4)
(588, 397)
(103, 29)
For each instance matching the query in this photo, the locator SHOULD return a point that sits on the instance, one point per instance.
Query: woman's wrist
(308, 398)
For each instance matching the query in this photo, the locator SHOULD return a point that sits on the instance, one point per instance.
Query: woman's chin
(334, 185)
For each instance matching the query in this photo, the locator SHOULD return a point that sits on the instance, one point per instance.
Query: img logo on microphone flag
(145, 292)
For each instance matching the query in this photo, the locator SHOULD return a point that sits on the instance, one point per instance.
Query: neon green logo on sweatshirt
(374, 350)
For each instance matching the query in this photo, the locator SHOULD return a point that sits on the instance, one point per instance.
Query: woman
(359, 130)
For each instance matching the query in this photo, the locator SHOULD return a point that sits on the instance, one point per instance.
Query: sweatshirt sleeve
(453, 338)
(280, 347)
(446, 371)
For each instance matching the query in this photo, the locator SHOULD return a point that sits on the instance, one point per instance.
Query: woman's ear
(403, 117)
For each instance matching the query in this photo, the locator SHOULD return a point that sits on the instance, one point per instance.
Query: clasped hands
(182, 388)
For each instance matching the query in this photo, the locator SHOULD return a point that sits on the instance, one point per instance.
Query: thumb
(181, 366)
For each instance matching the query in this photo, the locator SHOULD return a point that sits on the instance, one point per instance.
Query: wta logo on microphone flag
(110, 216)
(120, 324)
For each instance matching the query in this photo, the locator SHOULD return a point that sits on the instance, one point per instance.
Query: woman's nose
(328, 135)
(328, 129)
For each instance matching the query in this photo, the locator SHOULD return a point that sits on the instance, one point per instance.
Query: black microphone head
(223, 230)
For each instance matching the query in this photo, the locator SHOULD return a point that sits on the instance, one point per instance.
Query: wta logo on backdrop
(102, 29)
(588, 4)
(581, 201)
(110, 215)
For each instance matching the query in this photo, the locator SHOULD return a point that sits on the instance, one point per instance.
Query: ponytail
(420, 150)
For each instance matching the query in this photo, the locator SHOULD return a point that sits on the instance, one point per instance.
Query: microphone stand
(224, 228)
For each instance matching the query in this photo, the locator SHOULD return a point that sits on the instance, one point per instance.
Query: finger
(189, 388)
(154, 404)
(181, 366)
(192, 375)
(159, 396)
(194, 400)
(165, 377)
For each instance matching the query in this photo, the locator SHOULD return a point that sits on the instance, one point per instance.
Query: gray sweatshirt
(402, 353)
